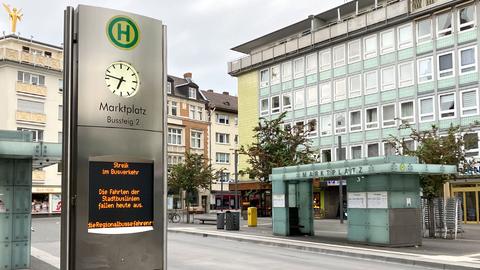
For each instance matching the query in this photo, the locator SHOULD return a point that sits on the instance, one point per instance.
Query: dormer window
(192, 93)
(169, 87)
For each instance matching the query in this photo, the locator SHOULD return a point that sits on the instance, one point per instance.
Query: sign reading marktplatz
(114, 141)
(121, 197)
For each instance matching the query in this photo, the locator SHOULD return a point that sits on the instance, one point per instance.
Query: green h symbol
(121, 32)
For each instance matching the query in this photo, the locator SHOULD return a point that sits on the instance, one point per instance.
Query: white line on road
(46, 257)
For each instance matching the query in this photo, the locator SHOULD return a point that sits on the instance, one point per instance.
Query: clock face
(122, 79)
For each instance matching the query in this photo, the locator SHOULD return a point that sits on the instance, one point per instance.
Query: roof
(12, 36)
(222, 102)
(303, 25)
(181, 85)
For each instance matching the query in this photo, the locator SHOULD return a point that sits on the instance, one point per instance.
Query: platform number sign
(123, 32)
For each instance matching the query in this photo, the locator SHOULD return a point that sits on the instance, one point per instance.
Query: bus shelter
(383, 195)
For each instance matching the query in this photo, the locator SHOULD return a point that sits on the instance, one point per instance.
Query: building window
(371, 118)
(29, 78)
(200, 113)
(275, 104)
(222, 138)
(340, 123)
(424, 31)
(30, 106)
(264, 108)
(192, 112)
(445, 65)
(312, 127)
(339, 56)
(355, 85)
(469, 102)
(299, 99)
(405, 74)
(370, 45)
(326, 155)
(372, 150)
(354, 51)
(264, 78)
(287, 127)
(371, 82)
(471, 144)
(407, 112)
(174, 108)
(427, 110)
(425, 69)
(175, 136)
(388, 115)
(196, 139)
(444, 24)
(223, 119)
(325, 93)
(236, 139)
(192, 93)
(388, 149)
(312, 96)
(275, 72)
(298, 68)
(447, 106)
(169, 87)
(387, 42)
(341, 153)
(468, 60)
(355, 121)
(325, 60)
(356, 152)
(60, 112)
(326, 125)
(405, 36)
(466, 18)
(60, 85)
(311, 64)
(37, 134)
(287, 102)
(222, 158)
(340, 90)
(286, 71)
(388, 78)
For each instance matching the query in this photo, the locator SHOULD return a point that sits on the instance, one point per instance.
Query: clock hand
(120, 82)
(113, 77)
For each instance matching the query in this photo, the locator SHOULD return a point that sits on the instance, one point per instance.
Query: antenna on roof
(356, 8)
(338, 14)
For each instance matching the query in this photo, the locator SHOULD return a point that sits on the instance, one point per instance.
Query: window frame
(367, 54)
(321, 65)
(226, 158)
(355, 58)
(366, 91)
(192, 90)
(194, 139)
(289, 107)
(425, 38)
(378, 149)
(284, 74)
(321, 154)
(340, 62)
(178, 136)
(335, 97)
(352, 94)
(460, 50)
(411, 81)
(394, 120)
(226, 138)
(391, 86)
(297, 106)
(276, 81)
(315, 68)
(420, 114)
(376, 124)
(440, 112)
(359, 125)
(408, 44)
(301, 73)
(439, 72)
(276, 109)
(329, 98)
(432, 73)
(474, 23)
(225, 117)
(361, 151)
(413, 111)
(462, 109)
(438, 32)
(314, 133)
(267, 111)
(328, 132)
(263, 83)
(384, 152)
(386, 50)
(308, 102)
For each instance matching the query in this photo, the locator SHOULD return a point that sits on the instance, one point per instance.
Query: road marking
(46, 257)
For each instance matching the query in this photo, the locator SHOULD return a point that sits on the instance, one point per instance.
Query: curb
(346, 252)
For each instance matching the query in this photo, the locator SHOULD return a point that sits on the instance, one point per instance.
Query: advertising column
(114, 135)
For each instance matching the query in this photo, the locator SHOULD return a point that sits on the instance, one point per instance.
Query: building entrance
(469, 196)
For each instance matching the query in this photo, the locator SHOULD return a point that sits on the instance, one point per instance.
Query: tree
(434, 146)
(276, 146)
(190, 175)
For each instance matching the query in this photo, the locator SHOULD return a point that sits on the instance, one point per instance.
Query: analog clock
(122, 79)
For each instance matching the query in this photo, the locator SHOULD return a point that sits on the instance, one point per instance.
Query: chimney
(210, 90)
(187, 75)
(225, 93)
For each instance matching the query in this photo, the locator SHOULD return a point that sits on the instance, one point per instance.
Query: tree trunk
(431, 219)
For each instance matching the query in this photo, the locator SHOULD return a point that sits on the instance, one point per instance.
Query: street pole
(237, 202)
(221, 190)
(340, 184)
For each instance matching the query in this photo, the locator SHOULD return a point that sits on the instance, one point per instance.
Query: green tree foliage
(275, 146)
(189, 176)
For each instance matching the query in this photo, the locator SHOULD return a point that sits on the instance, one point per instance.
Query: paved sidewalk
(330, 237)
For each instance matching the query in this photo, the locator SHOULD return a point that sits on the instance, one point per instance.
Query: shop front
(468, 191)
(254, 194)
(46, 200)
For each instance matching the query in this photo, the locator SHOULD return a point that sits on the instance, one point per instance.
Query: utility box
(252, 217)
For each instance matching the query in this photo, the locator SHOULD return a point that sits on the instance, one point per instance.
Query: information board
(278, 200)
(377, 199)
(120, 197)
(357, 200)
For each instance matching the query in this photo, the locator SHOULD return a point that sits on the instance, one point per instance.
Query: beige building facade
(31, 85)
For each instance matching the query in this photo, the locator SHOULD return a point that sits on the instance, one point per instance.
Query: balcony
(39, 118)
(31, 89)
(31, 59)
(419, 5)
(358, 22)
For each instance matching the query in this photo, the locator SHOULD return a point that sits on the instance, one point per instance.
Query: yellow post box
(252, 217)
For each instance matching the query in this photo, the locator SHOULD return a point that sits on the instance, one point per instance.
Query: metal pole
(340, 184)
(221, 190)
(237, 201)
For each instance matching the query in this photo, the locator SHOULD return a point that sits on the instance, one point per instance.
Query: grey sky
(200, 32)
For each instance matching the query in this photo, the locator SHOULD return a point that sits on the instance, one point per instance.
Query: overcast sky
(200, 32)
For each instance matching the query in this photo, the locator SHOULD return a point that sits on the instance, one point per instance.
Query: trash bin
(252, 217)
(232, 221)
(220, 221)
